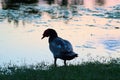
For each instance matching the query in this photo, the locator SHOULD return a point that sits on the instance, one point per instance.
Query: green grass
(84, 71)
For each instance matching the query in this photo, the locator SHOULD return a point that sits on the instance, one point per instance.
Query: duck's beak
(43, 37)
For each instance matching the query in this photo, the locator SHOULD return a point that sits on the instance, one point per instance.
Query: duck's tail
(76, 55)
(73, 54)
(69, 55)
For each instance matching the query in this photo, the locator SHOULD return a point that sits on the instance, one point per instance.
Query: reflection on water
(92, 31)
(24, 14)
(6, 4)
(28, 13)
(15, 4)
(112, 44)
(100, 2)
(32, 11)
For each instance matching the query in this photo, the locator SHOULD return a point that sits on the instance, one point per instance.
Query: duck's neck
(51, 38)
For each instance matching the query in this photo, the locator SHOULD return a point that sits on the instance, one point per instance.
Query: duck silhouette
(60, 48)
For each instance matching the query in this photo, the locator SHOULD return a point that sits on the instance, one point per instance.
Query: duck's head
(49, 33)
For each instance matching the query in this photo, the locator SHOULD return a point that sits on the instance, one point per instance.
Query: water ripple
(112, 44)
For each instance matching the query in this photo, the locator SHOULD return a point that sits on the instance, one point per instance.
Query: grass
(84, 71)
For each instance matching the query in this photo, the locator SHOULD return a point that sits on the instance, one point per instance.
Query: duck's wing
(59, 46)
(67, 46)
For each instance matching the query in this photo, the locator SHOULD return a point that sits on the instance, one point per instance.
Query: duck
(60, 48)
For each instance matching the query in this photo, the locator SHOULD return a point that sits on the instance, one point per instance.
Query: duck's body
(59, 47)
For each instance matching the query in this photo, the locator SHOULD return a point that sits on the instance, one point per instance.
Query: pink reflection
(111, 2)
(87, 3)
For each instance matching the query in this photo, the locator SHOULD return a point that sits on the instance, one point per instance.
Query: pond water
(93, 32)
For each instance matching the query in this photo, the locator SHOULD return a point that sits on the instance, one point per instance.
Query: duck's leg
(65, 62)
(55, 60)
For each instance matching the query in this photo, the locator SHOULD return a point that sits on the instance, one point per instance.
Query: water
(93, 32)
